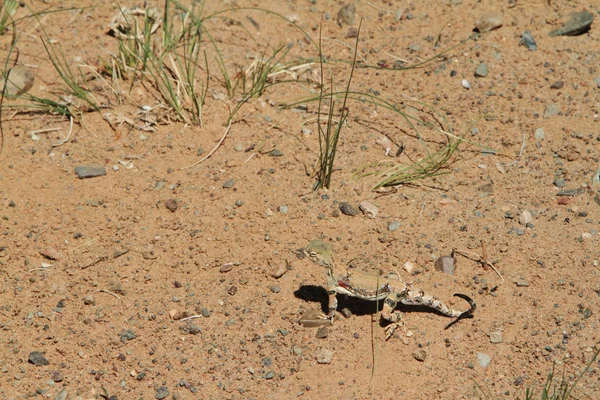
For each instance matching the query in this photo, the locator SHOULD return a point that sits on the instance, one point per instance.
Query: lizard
(374, 287)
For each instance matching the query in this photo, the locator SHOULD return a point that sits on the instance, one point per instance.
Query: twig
(100, 259)
(480, 259)
(65, 140)
(191, 317)
(214, 149)
(422, 208)
(109, 292)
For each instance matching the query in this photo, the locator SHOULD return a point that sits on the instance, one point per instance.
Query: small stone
(275, 153)
(274, 289)
(528, 41)
(539, 134)
(559, 182)
(171, 205)
(394, 225)
(419, 355)
(322, 332)
(232, 290)
(465, 83)
(496, 337)
(226, 268)
(57, 376)
(161, 393)
(324, 356)
(348, 209)
(345, 15)
(446, 265)
(283, 209)
(522, 282)
(63, 395)
(586, 236)
(489, 21)
(238, 147)
(481, 71)
(577, 24)
(488, 188)
(525, 217)
(557, 85)
(409, 267)
(550, 110)
(230, 322)
(228, 184)
(117, 287)
(483, 359)
(191, 329)
(51, 254)
(368, 209)
(89, 300)
(279, 271)
(127, 335)
(352, 33)
(346, 312)
(596, 180)
(205, 312)
(38, 359)
(85, 171)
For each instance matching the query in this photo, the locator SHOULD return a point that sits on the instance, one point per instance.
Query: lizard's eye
(313, 253)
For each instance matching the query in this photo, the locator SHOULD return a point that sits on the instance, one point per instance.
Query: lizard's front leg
(332, 300)
(388, 313)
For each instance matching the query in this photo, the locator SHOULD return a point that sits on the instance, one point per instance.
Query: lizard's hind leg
(388, 313)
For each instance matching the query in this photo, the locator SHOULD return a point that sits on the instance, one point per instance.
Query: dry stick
(464, 252)
(213, 150)
(109, 292)
(65, 140)
(191, 317)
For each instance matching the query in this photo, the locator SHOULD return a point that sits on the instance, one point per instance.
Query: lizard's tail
(419, 297)
(471, 310)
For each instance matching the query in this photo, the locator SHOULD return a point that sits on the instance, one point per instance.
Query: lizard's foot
(391, 328)
(328, 317)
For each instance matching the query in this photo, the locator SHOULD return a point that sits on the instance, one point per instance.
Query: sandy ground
(97, 273)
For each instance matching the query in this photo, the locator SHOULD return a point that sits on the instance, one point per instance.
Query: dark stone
(38, 359)
(85, 171)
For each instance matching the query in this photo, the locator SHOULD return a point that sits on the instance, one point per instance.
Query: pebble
(57, 376)
(465, 83)
(20, 80)
(322, 332)
(557, 85)
(161, 393)
(279, 271)
(522, 282)
(577, 24)
(51, 254)
(63, 395)
(127, 335)
(409, 267)
(232, 290)
(324, 356)
(275, 289)
(228, 184)
(419, 355)
(205, 312)
(550, 110)
(489, 21)
(525, 217)
(226, 268)
(275, 153)
(394, 225)
(559, 182)
(191, 329)
(171, 205)
(348, 209)
(496, 337)
(283, 209)
(482, 70)
(446, 265)
(89, 300)
(483, 359)
(238, 147)
(346, 312)
(597, 82)
(38, 359)
(346, 14)
(528, 41)
(596, 181)
(86, 171)
(269, 375)
(368, 209)
(539, 133)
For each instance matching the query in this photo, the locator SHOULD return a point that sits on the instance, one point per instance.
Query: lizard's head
(320, 252)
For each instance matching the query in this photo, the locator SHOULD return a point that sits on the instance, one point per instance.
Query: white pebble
(466, 84)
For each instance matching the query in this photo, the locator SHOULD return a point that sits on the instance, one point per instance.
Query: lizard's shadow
(318, 294)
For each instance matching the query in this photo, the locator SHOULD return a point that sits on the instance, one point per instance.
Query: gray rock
(346, 14)
(275, 153)
(446, 264)
(496, 337)
(483, 359)
(127, 335)
(161, 393)
(89, 300)
(489, 21)
(228, 184)
(324, 356)
(528, 41)
(577, 24)
(348, 209)
(63, 395)
(322, 332)
(393, 225)
(481, 71)
(551, 109)
(86, 171)
(522, 282)
(539, 133)
(419, 355)
(38, 359)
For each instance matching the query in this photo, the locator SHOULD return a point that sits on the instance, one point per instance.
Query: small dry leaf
(20, 80)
